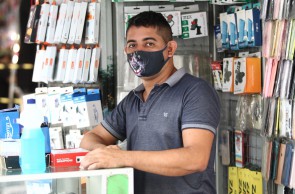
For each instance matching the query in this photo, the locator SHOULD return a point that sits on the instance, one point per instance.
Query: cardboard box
(60, 22)
(67, 157)
(9, 128)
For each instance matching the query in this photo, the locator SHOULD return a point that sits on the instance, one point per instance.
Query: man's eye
(149, 44)
(131, 45)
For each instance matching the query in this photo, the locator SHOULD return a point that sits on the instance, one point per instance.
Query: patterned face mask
(147, 63)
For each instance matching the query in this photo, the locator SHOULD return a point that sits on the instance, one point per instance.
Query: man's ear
(172, 46)
(125, 50)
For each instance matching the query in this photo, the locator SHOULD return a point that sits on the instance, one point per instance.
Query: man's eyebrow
(145, 39)
(149, 38)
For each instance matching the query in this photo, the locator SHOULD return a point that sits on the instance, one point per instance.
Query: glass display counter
(68, 181)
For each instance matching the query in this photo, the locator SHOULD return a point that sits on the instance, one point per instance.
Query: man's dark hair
(152, 19)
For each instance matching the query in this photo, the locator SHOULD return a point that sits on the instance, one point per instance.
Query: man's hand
(106, 157)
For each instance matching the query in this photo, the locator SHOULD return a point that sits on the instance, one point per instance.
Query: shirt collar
(171, 81)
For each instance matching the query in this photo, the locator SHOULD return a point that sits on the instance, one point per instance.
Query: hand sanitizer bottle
(32, 156)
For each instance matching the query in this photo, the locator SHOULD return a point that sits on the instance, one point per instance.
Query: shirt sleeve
(201, 108)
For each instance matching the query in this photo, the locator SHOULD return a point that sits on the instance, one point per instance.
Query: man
(169, 121)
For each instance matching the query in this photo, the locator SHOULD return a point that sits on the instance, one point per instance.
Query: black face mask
(147, 63)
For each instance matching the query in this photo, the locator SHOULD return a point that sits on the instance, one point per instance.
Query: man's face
(144, 39)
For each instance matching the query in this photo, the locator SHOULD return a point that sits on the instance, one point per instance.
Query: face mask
(146, 63)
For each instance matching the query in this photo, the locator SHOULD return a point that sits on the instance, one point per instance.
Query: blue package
(9, 128)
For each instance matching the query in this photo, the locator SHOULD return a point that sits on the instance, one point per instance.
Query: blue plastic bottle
(32, 156)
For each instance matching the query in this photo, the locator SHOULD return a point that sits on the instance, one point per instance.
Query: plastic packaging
(32, 157)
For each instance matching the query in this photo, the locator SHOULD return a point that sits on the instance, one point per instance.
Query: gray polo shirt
(182, 102)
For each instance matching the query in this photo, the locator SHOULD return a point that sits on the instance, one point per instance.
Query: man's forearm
(176, 162)
(91, 141)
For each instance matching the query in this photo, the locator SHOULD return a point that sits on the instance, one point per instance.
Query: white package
(41, 97)
(62, 64)
(70, 68)
(92, 23)
(44, 14)
(56, 140)
(54, 105)
(60, 22)
(79, 65)
(81, 22)
(39, 63)
(94, 65)
(86, 65)
(67, 23)
(51, 24)
(74, 23)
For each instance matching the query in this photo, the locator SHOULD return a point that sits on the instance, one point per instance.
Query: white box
(67, 22)
(70, 68)
(81, 22)
(56, 140)
(60, 22)
(86, 65)
(51, 62)
(54, 105)
(79, 65)
(68, 112)
(41, 97)
(74, 23)
(51, 24)
(94, 65)
(62, 64)
(9, 147)
(44, 14)
(92, 23)
(38, 65)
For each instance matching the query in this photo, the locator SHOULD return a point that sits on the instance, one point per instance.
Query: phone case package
(247, 75)
(228, 67)
(194, 25)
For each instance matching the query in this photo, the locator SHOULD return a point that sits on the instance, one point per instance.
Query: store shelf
(92, 181)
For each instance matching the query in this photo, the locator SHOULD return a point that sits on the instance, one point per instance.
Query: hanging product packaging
(32, 24)
(68, 112)
(285, 123)
(194, 25)
(281, 159)
(51, 24)
(92, 23)
(74, 23)
(60, 22)
(228, 67)
(88, 108)
(216, 68)
(78, 65)
(70, 67)
(44, 14)
(61, 64)
(224, 30)
(54, 105)
(81, 22)
(38, 64)
(247, 75)
(41, 96)
(67, 22)
(86, 65)
(94, 65)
